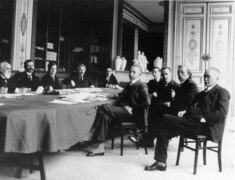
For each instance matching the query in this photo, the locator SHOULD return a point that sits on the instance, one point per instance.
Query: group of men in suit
(174, 109)
(177, 109)
(29, 80)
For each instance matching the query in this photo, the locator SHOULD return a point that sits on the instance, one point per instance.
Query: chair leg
(122, 137)
(31, 164)
(41, 166)
(18, 172)
(137, 139)
(181, 141)
(112, 143)
(219, 156)
(196, 156)
(204, 152)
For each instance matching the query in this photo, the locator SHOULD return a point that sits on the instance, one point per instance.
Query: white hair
(3, 65)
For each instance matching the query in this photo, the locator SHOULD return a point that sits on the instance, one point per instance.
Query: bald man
(5, 74)
(206, 115)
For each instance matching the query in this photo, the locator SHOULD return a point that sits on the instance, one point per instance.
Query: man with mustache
(5, 73)
(204, 116)
(79, 79)
(27, 78)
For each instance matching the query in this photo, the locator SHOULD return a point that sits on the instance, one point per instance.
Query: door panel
(220, 41)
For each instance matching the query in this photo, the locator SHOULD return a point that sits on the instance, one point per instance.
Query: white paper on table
(58, 101)
(1, 104)
(85, 97)
(64, 91)
(89, 89)
(9, 95)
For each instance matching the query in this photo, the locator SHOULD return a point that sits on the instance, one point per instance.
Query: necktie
(30, 77)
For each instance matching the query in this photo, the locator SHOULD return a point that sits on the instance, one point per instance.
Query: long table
(30, 124)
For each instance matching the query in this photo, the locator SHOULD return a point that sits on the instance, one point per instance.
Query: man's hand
(154, 94)
(181, 113)
(146, 129)
(202, 120)
(73, 83)
(172, 94)
(168, 104)
(128, 108)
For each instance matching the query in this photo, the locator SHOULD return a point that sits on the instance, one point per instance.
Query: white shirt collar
(3, 76)
(209, 88)
(29, 74)
(134, 81)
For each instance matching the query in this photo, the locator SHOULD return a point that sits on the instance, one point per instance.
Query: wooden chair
(185, 142)
(129, 128)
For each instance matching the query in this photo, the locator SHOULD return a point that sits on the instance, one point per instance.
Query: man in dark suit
(27, 78)
(187, 91)
(79, 79)
(130, 106)
(162, 102)
(49, 80)
(206, 115)
(110, 79)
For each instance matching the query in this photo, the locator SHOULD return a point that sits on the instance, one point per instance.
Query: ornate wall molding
(22, 33)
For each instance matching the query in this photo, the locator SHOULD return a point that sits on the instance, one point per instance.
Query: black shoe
(95, 154)
(155, 166)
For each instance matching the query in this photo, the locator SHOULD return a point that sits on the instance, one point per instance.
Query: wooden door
(192, 39)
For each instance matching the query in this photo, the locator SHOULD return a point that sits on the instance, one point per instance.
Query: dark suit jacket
(137, 97)
(214, 105)
(21, 79)
(3, 82)
(152, 86)
(47, 80)
(187, 92)
(86, 82)
(164, 95)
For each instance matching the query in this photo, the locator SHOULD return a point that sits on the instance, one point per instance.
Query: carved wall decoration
(219, 44)
(22, 33)
(192, 41)
(23, 24)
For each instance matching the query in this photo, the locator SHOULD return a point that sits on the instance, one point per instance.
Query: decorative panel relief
(192, 42)
(219, 44)
(22, 33)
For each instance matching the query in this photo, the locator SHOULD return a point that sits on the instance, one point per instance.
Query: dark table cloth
(34, 124)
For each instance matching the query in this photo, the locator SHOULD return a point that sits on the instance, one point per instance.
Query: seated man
(5, 74)
(130, 106)
(50, 81)
(79, 79)
(187, 91)
(110, 79)
(162, 102)
(27, 78)
(153, 91)
(206, 115)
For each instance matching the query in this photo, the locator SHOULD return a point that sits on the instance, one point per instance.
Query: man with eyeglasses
(206, 115)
